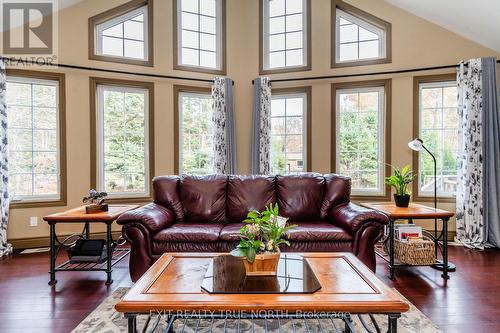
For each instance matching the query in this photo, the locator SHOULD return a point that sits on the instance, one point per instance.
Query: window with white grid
(284, 33)
(125, 36)
(357, 40)
(196, 133)
(123, 141)
(288, 133)
(360, 142)
(33, 134)
(199, 33)
(438, 124)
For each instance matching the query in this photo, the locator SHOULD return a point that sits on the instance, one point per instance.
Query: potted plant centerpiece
(95, 202)
(400, 181)
(261, 239)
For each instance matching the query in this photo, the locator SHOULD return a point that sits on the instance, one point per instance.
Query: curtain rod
(86, 68)
(420, 69)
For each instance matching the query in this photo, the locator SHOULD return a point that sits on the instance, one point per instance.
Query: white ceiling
(477, 20)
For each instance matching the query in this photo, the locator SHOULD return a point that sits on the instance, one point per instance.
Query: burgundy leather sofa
(204, 214)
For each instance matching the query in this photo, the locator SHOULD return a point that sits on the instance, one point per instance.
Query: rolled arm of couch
(152, 216)
(352, 217)
(366, 227)
(139, 227)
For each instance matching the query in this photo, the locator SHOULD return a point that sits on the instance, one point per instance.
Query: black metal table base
(442, 265)
(113, 254)
(338, 323)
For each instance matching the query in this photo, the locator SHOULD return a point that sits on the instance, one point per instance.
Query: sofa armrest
(352, 217)
(152, 216)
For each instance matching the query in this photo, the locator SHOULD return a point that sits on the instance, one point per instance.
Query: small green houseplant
(400, 180)
(260, 240)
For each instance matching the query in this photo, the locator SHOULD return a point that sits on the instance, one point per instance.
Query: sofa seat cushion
(319, 231)
(190, 232)
(231, 232)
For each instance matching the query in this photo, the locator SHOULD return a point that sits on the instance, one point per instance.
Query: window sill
(368, 62)
(131, 200)
(37, 204)
(128, 61)
(221, 71)
(431, 199)
(370, 198)
(285, 70)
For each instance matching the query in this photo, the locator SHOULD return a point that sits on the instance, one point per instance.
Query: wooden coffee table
(171, 287)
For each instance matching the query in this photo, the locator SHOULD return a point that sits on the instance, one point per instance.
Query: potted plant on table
(260, 241)
(400, 181)
(95, 202)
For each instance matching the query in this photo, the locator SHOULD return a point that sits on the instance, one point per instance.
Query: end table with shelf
(78, 215)
(413, 212)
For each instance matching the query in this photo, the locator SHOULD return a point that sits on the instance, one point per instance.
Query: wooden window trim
(417, 80)
(308, 91)
(306, 67)
(61, 79)
(178, 89)
(362, 15)
(113, 13)
(387, 84)
(94, 83)
(177, 66)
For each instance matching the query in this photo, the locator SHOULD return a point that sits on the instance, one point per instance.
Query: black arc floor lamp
(418, 145)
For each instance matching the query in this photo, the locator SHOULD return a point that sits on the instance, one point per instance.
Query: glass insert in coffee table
(226, 275)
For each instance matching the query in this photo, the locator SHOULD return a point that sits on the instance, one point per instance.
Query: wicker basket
(418, 253)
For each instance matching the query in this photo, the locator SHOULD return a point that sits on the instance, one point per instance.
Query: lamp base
(439, 265)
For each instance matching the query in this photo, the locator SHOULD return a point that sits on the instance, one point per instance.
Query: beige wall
(416, 43)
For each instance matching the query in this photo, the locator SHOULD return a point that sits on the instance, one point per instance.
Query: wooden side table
(78, 215)
(413, 212)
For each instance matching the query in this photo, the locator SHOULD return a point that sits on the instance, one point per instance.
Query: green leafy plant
(401, 179)
(263, 233)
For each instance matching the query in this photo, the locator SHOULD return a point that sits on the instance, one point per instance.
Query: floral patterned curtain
(261, 126)
(223, 122)
(470, 223)
(5, 248)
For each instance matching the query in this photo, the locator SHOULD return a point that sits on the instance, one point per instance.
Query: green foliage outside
(197, 132)
(124, 154)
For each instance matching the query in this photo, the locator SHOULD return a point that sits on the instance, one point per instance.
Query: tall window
(288, 132)
(196, 145)
(285, 34)
(34, 135)
(123, 34)
(199, 34)
(359, 38)
(438, 128)
(360, 137)
(123, 154)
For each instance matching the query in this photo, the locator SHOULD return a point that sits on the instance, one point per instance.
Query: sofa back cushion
(204, 198)
(337, 191)
(300, 196)
(166, 194)
(246, 193)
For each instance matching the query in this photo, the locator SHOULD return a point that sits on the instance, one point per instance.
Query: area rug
(104, 319)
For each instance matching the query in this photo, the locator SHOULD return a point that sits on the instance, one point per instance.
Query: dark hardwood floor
(470, 302)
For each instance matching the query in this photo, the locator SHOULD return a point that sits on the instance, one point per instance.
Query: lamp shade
(416, 144)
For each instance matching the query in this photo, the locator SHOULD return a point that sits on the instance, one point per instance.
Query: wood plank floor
(469, 303)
